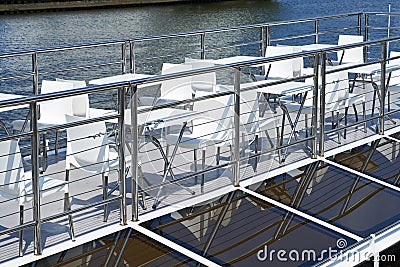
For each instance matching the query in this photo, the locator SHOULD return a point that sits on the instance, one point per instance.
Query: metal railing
(129, 92)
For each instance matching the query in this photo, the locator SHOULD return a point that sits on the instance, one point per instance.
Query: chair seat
(354, 99)
(47, 186)
(191, 141)
(394, 88)
(18, 124)
(292, 107)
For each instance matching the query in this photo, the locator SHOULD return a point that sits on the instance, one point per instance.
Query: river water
(39, 30)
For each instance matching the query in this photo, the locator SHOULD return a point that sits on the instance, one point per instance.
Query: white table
(371, 70)
(236, 59)
(124, 78)
(5, 96)
(311, 47)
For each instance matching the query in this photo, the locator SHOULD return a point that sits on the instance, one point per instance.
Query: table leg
(169, 165)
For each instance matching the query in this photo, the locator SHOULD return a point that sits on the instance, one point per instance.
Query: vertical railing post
(35, 143)
(35, 70)
(314, 122)
(203, 45)
(366, 36)
(35, 151)
(236, 132)
(263, 40)
(316, 31)
(382, 89)
(123, 57)
(359, 21)
(268, 35)
(322, 106)
(121, 154)
(134, 153)
(132, 61)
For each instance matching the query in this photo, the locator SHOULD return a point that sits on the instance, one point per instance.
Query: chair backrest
(352, 55)
(176, 89)
(80, 103)
(202, 82)
(218, 110)
(53, 111)
(11, 169)
(249, 110)
(282, 68)
(344, 88)
(87, 146)
(395, 76)
(332, 92)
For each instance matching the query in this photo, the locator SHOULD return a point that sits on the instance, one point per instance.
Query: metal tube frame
(382, 88)
(322, 105)
(121, 155)
(35, 143)
(236, 130)
(316, 29)
(314, 119)
(203, 45)
(134, 153)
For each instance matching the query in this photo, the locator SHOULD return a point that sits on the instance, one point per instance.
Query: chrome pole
(366, 36)
(236, 132)
(382, 88)
(121, 154)
(123, 55)
(35, 142)
(359, 16)
(316, 25)
(268, 35)
(134, 154)
(35, 71)
(314, 120)
(263, 40)
(322, 105)
(132, 57)
(203, 45)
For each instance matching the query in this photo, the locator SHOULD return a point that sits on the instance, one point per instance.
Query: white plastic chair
(394, 82)
(88, 150)
(80, 103)
(15, 184)
(347, 99)
(202, 82)
(211, 128)
(332, 103)
(279, 69)
(352, 55)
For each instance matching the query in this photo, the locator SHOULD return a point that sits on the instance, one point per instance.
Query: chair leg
(388, 98)
(256, 151)
(203, 166)
(21, 232)
(67, 207)
(338, 126)
(355, 112)
(105, 195)
(278, 144)
(56, 144)
(218, 155)
(364, 117)
(195, 164)
(243, 144)
(346, 111)
(141, 177)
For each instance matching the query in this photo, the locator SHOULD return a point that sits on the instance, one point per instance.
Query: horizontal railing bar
(163, 36)
(81, 67)
(87, 206)
(16, 76)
